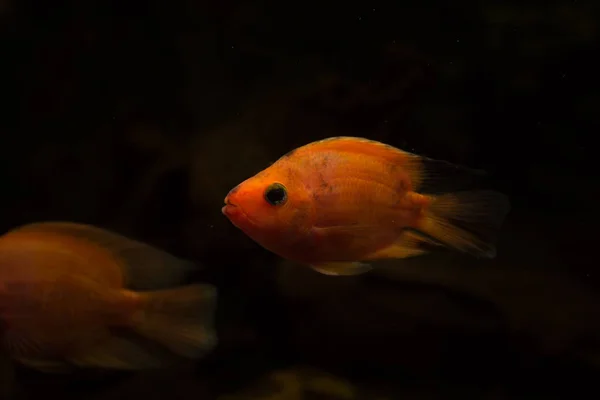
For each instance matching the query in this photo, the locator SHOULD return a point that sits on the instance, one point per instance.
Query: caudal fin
(467, 221)
(181, 319)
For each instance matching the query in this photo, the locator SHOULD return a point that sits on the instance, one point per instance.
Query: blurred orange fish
(77, 295)
(338, 203)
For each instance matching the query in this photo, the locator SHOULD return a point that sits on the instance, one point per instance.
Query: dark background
(140, 116)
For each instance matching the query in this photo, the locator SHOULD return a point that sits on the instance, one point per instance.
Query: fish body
(338, 203)
(67, 298)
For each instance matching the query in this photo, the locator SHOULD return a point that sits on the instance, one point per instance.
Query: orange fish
(338, 203)
(76, 295)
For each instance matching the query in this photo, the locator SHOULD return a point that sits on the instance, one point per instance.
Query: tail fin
(182, 319)
(467, 221)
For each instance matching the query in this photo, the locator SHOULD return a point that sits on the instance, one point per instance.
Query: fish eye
(276, 194)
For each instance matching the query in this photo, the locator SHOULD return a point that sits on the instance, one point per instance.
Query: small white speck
(360, 18)
(373, 10)
(457, 40)
(232, 47)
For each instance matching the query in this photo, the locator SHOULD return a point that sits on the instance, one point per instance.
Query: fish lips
(230, 210)
(235, 215)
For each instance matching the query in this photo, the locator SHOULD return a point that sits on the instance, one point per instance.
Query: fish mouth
(235, 213)
(228, 207)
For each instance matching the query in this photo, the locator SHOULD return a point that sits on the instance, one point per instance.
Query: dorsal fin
(427, 175)
(359, 146)
(145, 267)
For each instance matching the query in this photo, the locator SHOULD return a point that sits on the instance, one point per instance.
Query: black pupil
(276, 195)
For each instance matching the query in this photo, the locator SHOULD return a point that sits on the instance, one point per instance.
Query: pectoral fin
(341, 268)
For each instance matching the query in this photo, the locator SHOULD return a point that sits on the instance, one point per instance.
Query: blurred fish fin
(46, 366)
(145, 267)
(409, 244)
(116, 353)
(17, 345)
(182, 319)
(342, 268)
(467, 221)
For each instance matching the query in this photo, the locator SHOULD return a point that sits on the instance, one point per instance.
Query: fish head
(273, 207)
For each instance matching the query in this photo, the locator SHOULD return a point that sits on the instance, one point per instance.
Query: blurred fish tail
(182, 319)
(467, 221)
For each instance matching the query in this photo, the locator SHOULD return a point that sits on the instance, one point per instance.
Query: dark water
(140, 116)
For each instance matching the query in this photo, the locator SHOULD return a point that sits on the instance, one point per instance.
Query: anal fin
(342, 268)
(115, 353)
(409, 244)
(28, 351)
